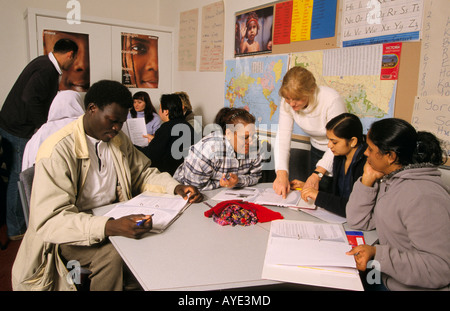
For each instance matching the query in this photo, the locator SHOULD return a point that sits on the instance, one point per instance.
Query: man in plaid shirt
(227, 158)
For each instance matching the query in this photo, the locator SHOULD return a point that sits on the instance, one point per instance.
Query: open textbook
(164, 208)
(265, 197)
(310, 253)
(135, 128)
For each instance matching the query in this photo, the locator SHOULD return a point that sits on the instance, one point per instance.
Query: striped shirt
(214, 156)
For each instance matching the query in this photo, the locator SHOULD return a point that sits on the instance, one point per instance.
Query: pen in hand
(142, 221)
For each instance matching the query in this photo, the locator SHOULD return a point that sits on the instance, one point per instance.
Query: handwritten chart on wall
(187, 43)
(374, 21)
(432, 106)
(212, 43)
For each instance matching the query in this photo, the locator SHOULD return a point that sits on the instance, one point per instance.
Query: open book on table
(310, 253)
(165, 209)
(135, 128)
(265, 197)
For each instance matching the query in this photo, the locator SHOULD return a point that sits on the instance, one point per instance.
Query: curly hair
(106, 92)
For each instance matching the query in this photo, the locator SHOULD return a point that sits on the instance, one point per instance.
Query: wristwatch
(318, 174)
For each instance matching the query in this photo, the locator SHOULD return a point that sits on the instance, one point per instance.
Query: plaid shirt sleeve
(249, 170)
(198, 167)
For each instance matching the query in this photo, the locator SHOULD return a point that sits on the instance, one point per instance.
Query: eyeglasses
(252, 137)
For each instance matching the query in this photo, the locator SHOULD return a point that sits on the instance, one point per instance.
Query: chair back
(25, 185)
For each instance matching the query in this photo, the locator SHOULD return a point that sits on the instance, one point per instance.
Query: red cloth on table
(263, 213)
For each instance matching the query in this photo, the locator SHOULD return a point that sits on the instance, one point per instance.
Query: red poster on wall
(282, 24)
(391, 61)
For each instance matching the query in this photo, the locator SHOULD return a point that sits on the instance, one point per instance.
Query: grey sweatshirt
(411, 212)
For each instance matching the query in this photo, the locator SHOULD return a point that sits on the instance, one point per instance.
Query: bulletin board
(329, 42)
(408, 66)
(422, 93)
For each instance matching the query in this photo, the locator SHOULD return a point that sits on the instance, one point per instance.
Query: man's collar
(55, 62)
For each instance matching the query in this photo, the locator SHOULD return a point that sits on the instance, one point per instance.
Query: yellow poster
(301, 20)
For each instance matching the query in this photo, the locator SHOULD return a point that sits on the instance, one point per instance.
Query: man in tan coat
(87, 164)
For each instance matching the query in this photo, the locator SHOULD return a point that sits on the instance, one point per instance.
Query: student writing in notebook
(224, 158)
(87, 164)
(402, 196)
(346, 141)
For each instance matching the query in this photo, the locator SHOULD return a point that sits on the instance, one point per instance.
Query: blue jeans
(13, 148)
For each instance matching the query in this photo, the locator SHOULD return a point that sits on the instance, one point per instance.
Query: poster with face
(140, 61)
(253, 32)
(77, 78)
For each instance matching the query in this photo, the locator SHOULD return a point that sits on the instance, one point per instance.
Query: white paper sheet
(264, 197)
(325, 215)
(299, 243)
(164, 209)
(135, 128)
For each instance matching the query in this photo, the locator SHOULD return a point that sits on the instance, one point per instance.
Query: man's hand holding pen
(229, 180)
(132, 226)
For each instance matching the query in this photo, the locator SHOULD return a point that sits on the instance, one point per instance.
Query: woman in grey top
(402, 196)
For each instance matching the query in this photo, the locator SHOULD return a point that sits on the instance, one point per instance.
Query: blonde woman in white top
(310, 106)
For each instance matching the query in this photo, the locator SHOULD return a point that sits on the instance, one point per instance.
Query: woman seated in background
(143, 108)
(172, 140)
(189, 115)
(402, 196)
(346, 141)
(66, 107)
(187, 107)
(224, 158)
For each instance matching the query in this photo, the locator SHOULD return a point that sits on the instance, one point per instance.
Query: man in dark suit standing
(24, 111)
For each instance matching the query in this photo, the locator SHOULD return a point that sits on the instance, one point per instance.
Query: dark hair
(399, 136)
(228, 115)
(63, 46)
(149, 108)
(172, 102)
(429, 149)
(346, 126)
(106, 92)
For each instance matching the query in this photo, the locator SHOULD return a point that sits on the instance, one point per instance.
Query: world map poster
(355, 72)
(253, 83)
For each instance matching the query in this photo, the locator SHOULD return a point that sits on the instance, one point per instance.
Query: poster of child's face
(253, 32)
(140, 61)
(77, 78)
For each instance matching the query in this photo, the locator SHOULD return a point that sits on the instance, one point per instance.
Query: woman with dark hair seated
(143, 108)
(172, 140)
(346, 141)
(402, 196)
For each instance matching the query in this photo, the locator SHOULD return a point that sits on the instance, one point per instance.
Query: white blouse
(312, 121)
